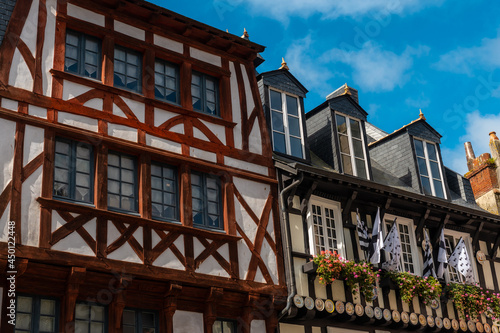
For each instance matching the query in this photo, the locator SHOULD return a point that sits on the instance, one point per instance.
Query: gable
(283, 80)
(424, 131)
(347, 106)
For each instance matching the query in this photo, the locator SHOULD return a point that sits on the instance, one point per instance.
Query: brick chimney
(484, 174)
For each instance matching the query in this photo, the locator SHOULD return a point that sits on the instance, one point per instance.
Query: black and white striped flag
(376, 241)
(392, 244)
(428, 262)
(459, 259)
(364, 241)
(442, 257)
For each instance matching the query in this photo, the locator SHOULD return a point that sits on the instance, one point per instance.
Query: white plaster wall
(4, 227)
(297, 232)
(94, 103)
(258, 276)
(203, 154)
(270, 226)
(72, 90)
(269, 258)
(20, 75)
(337, 289)
(118, 112)
(255, 139)
(125, 252)
(188, 322)
(179, 128)
(33, 143)
(73, 243)
(300, 277)
(205, 56)
(248, 90)
(210, 266)
(168, 44)
(255, 194)
(289, 328)
(244, 220)
(199, 135)
(137, 108)
(75, 120)
(162, 116)
(167, 259)
(235, 103)
(258, 326)
(122, 132)
(28, 35)
(8, 130)
(37, 111)
(243, 165)
(30, 208)
(244, 256)
(48, 46)
(488, 277)
(129, 30)
(164, 144)
(85, 15)
(320, 289)
(218, 130)
(9, 104)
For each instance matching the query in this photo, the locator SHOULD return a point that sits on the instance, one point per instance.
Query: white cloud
(465, 60)
(376, 69)
(418, 102)
(282, 10)
(477, 128)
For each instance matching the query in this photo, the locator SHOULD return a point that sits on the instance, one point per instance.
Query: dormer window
(352, 146)
(429, 168)
(286, 124)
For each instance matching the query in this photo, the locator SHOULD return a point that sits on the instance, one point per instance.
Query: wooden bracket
(210, 313)
(475, 239)
(75, 279)
(420, 226)
(347, 208)
(493, 251)
(305, 200)
(435, 240)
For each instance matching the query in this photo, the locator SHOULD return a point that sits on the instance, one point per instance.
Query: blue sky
(441, 56)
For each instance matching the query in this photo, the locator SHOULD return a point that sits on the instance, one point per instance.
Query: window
(325, 226)
(73, 171)
(166, 81)
(127, 69)
(90, 318)
(164, 192)
(83, 55)
(122, 182)
(451, 239)
(409, 262)
(139, 321)
(205, 93)
(224, 326)
(352, 147)
(207, 203)
(286, 124)
(36, 314)
(429, 168)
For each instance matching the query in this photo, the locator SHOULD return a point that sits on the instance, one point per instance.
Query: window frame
(82, 39)
(203, 95)
(177, 81)
(222, 320)
(428, 165)
(135, 211)
(72, 171)
(35, 312)
(140, 56)
(456, 235)
(176, 192)
(203, 186)
(389, 218)
(138, 318)
(351, 145)
(285, 115)
(90, 304)
(339, 228)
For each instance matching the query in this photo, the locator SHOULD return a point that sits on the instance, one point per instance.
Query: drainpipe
(288, 243)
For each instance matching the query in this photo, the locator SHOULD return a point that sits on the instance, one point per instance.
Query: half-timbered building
(136, 181)
(332, 163)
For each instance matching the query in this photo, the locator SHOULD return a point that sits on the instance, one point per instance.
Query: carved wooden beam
(210, 313)
(347, 208)
(305, 200)
(420, 227)
(493, 251)
(75, 279)
(119, 301)
(435, 239)
(248, 308)
(475, 239)
(170, 305)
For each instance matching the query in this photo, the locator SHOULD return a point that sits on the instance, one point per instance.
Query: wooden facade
(75, 253)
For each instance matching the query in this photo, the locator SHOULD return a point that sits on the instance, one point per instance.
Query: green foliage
(472, 300)
(410, 285)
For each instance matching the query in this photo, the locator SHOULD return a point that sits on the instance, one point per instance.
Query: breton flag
(392, 244)
(364, 241)
(442, 257)
(376, 241)
(428, 262)
(459, 259)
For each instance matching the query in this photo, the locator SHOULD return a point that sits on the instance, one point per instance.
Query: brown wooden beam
(420, 227)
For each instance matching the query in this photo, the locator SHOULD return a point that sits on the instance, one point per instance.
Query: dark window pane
(277, 118)
(276, 103)
(426, 184)
(361, 168)
(294, 126)
(279, 142)
(127, 69)
(122, 182)
(422, 166)
(204, 92)
(355, 129)
(292, 105)
(82, 55)
(431, 151)
(206, 202)
(419, 148)
(438, 188)
(296, 147)
(435, 170)
(341, 124)
(357, 146)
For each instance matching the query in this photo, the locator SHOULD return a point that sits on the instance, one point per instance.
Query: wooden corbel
(347, 207)
(304, 204)
(170, 305)
(248, 311)
(210, 313)
(475, 239)
(420, 226)
(494, 249)
(75, 279)
(435, 240)
(119, 301)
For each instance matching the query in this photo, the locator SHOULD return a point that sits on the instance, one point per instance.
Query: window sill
(137, 220)
(140, 98)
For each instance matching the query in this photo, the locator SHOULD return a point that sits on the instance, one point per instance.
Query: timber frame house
(137, 169)
(343, 164)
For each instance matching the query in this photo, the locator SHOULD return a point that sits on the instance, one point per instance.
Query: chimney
(484, 174)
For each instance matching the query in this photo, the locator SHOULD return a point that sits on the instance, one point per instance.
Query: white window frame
(284, 111)
(468, 245)
(351, 146)
(339, 228)
(428, 164)
(413, 241)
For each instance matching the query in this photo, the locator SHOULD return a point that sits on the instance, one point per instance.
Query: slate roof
(6, 8)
